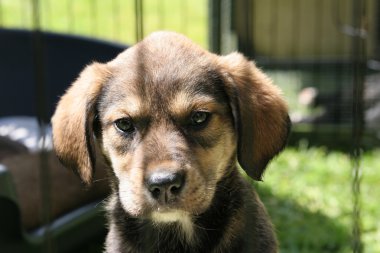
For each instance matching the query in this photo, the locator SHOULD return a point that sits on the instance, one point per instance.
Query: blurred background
(321, 192)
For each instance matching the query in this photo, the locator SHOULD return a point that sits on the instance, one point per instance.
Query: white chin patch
(183, 219)
(169, 216)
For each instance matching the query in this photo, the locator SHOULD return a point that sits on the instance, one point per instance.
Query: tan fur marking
(183, 103)
(176, 216)
(132, 107)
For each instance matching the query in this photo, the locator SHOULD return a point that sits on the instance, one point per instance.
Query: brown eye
(125, 125)
(199, 118)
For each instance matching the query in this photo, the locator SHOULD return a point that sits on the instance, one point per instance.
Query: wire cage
(324, 54)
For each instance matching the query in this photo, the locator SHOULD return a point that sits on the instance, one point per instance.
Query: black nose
(164, 186)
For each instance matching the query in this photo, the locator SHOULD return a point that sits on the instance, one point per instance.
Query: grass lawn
(308, 194)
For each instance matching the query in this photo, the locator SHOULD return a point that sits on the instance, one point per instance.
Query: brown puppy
(173, 121)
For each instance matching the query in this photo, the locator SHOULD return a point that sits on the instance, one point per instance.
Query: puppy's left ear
(73, 121)
(260, 113)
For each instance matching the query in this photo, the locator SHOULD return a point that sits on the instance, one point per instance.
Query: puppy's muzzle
(165, 186)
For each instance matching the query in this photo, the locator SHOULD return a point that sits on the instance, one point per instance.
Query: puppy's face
(172, 120)
(167, 133)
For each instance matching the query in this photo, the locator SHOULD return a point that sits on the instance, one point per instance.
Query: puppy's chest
(158, 238)
(171, 241)
(209, 234)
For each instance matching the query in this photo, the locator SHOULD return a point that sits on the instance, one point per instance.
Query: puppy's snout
(165, 186)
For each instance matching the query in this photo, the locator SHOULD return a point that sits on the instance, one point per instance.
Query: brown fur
(158, 85)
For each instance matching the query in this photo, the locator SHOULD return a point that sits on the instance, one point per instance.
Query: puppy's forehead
(171, 93)
(163, 58)
(164, 68)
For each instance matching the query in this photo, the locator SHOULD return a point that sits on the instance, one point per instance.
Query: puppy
(172, 122)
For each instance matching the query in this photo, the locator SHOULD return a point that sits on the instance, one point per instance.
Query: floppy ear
(73, 120)
(261, 115)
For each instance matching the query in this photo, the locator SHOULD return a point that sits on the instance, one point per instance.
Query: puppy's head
(172, 120)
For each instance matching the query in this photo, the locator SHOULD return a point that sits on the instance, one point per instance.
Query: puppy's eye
(125, 125)
(199, 118)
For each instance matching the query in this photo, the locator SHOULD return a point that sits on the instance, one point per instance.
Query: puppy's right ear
(260, 113)
(73, 120)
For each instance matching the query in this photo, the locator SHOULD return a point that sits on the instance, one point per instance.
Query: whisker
(101, 179)
(102, 202)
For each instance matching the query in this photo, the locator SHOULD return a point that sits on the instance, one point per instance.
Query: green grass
(308, 194)
(110, 19)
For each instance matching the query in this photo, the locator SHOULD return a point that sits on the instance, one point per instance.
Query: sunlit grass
(308, 192)
(110, 19)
